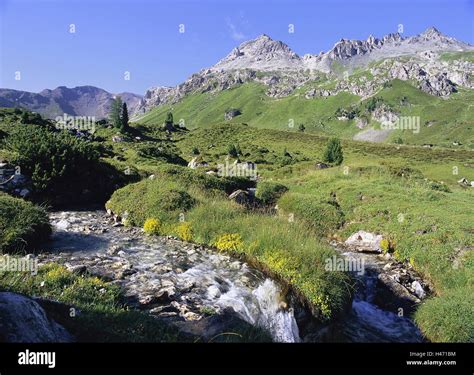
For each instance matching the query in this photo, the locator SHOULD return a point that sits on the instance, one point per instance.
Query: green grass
(270, 242)
(23, 226)
(443, 121)
(259, 110)
(413, 181)
(427, 227)
(407, 193)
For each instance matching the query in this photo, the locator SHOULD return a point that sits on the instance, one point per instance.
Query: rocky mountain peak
(261, 53)
(433, 39)
(285, 70)
(432, 33)
(392, 37)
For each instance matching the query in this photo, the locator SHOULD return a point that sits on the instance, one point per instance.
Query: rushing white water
(366, 321)
(262, 307)
(202, 278)
(199, 277)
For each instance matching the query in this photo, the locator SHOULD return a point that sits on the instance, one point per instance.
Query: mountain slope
(77, 101)
(442, 121)
(273, 63)
(429, 76)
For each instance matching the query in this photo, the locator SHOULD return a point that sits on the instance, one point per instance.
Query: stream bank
(204, 293)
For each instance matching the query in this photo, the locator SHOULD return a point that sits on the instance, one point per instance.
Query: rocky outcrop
(22, 319)
(438, 85)
(364, 242)
(231, 113)
(241, 197)
(263, 54)
(14, 183)
(204, 81)
(197, 162)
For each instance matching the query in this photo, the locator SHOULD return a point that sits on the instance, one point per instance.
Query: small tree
(233, 150)
(24, 118)
(169, 122)
(124, 118)
(333, 153)
(116, 113)
(195, 151)
(301, 128)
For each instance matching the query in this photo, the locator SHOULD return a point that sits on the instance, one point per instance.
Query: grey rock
(231, 113)
(364, 242)
(418, 289)
(23, 320)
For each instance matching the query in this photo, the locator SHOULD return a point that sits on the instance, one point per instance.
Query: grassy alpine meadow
(409, 194)
(280, 247)
(239, 174)
(442, 121)
(426, 224)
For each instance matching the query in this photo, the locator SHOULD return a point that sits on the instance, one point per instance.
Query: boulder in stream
(364, 242)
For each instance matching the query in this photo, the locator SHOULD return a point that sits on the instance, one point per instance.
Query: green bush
(49, 156)
(268, 192)
(333, 153)
(23, 226)
(62, 167)
(373, 103)
(234, 151)
(163, 200)
(160, 153)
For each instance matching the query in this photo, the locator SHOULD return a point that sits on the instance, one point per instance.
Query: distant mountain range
(275, 65)
(77, 101)
(272, 63)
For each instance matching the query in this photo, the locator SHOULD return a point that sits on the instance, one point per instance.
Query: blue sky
(142, 36)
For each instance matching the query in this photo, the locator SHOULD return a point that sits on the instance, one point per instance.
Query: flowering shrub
(387, 245)
(152, 226)
(56, 275)
(229, 241)
(184, 231)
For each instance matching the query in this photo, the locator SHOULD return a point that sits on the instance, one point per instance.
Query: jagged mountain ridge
(264, 53)
(285, 70)
(77, 101)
